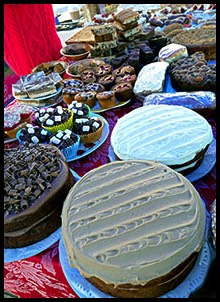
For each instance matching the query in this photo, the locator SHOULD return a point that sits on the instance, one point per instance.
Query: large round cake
(171, 134)
(133, 229)
(37, 179)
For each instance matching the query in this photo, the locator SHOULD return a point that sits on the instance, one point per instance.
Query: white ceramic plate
(85, 150)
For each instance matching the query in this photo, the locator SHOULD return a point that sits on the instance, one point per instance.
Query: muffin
(107, 81)
(88, 76)
(123, 91)
(69, 93)
(106, 99)
(33, 134)
(94, 87)
(103, 69)
(60, 119)
(80, 110)
(89, 129)
(67, 142)
(71, 83)
(131, 78)
(86, 97)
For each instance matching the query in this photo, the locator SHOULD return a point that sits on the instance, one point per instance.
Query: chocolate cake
(36, 182)
(133, 228)
(174, 135)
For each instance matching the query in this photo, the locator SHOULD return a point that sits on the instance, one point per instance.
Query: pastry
(123, 91)
(94, 87)
(67, 142)
(102, 70)
(33, 134)
(71, 83)
(69, 93)
(86, 97)
(60, 119)
(106, 99)
(79, 109)
(88, 75)
(126, 78)
(89, 129)
(107, 81)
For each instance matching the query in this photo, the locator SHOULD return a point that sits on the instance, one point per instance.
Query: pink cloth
(30, 36)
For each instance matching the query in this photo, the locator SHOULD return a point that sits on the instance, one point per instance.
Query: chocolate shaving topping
(29, 170)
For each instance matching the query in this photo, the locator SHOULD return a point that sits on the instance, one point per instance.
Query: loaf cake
(36, 182)
(192, 73)
(174, 135)
(133, 228)
(150, 79)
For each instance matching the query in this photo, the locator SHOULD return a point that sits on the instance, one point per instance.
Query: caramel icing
(132, 222)
(170, 134)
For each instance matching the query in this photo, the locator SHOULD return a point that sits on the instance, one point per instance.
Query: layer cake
(174, 135)
(133, 228)
(36, 181)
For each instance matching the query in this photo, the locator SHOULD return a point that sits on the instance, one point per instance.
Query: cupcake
(67, 142)
(69, 93)
(71, 83)
(80, 110)
(88, 76)
(89, 129)
(33, 134)
(94, 87)
(60, 119)
(123, 91)
(107, 81)
(86, 97)
(106, 99)
(41, 115)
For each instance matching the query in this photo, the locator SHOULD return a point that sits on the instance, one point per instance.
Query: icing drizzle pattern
(124, 218)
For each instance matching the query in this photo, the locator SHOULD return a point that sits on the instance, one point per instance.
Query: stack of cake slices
(36, 85)
(126, 23)
(105, 40)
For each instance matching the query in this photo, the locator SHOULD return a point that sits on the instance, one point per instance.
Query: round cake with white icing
(173, 135)
(133, 228)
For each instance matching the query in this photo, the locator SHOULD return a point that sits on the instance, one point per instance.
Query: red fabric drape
(30, 36)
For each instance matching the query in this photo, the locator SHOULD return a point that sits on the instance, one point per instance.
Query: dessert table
(41, 275)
